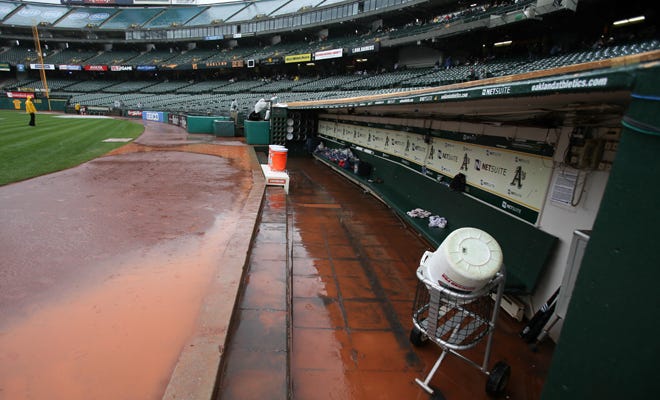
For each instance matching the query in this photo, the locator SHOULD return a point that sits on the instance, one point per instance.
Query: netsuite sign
(154, 116)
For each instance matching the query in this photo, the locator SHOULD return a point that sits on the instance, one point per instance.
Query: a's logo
(519, 176)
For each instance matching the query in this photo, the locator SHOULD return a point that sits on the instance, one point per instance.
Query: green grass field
(56, 143)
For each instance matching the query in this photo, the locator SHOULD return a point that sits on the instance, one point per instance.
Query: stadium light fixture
(500, 44)
(627, 21)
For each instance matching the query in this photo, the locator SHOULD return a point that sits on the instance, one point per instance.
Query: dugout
(591, 129)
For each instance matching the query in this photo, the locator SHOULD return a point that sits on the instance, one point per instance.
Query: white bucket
(466, 260)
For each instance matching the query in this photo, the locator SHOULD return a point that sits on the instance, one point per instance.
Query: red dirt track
(105, 266)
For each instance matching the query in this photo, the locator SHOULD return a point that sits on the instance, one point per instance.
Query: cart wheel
(498, 378)
(418, 338)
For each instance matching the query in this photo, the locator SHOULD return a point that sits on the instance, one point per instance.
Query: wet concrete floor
(347, 266)
(108, 266)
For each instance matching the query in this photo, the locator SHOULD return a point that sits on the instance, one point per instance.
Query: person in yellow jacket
(30, 109)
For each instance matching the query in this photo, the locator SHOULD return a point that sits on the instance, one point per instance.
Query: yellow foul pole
(42, 71)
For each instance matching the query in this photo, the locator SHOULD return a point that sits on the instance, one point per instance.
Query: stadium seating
(200, 93)
(21, 83)
(278, 50)
(229, 55)
(333, 82)
(128, 87)
(154, 57)
(202, 87)
(386, 80)
(214, 96)
(283, 85)
(90, 86)
(191, 56)
(239, 87)
(18, 55)
(69, 57)
(165, 87)
(53, 84)
(112, 58)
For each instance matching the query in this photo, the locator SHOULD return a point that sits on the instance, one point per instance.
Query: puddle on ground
(121, 338)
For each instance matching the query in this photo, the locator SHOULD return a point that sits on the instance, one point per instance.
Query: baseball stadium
(328, 199)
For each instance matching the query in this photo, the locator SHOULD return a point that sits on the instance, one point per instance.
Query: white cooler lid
(473, 253)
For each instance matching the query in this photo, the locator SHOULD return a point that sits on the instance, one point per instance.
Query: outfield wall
(7, 103)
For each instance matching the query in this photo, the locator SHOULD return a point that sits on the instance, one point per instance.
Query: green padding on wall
(526, 249)
(41, 104)
(58, 104)
(257, 132)
(223, 128)
(198, 124)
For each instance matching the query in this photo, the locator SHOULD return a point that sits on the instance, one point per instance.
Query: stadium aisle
(353, 284)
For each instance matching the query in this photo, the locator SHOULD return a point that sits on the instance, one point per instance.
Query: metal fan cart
(456, 321)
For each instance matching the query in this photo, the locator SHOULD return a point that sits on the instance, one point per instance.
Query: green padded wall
(609, 346)
(202, 124)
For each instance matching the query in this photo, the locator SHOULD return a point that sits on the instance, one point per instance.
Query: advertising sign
(327, 54)
(268, 61)
(64, 67)
(119, 68)
(514, 176)
(296, 58)
(366, 48)
(95, 67)
(178, 119)
(216, 64)
(50, 67)
(518, 180)
(157, 116)
(146, 68)
(19, 95)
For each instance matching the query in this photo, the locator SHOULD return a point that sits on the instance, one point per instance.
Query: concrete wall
(561, 220)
